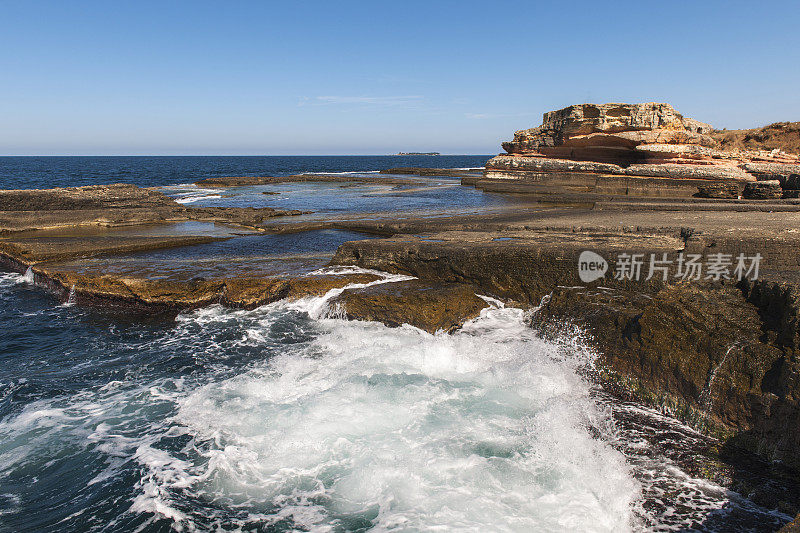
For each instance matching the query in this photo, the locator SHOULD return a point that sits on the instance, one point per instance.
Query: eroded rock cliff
(643, 142)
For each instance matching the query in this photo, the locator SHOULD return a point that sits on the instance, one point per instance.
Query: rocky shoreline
(718, 354)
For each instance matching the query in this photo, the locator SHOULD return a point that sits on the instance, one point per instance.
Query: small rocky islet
(719, 353)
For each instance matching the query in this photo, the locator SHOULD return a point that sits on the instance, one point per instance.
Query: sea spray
(399, 428)
(291, 420)
(271, 419)
(28, 277)
(71, 296)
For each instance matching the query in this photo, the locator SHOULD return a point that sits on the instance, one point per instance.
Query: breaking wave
(339, 425)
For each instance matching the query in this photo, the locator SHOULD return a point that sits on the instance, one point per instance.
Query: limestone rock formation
(598, 129)
(640, 141)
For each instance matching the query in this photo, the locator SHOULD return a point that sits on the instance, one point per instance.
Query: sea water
(282, 417)
(286, 418)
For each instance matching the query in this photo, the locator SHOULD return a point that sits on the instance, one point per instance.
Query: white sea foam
(489, 429)
(193, 199)
(8, 279)
(406, 430)
(396, 428)
(188, 193)
(352, 172)
(28, 277)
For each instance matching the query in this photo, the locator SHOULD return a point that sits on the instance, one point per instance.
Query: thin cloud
(360, 100)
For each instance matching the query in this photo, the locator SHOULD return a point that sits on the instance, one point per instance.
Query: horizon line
(235, 155)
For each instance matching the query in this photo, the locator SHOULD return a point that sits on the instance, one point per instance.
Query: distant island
(418, 153)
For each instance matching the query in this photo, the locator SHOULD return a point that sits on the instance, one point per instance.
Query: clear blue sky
(340, 77)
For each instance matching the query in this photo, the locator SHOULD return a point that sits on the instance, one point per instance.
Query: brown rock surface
(699, 348)
(47, 248)
(716, 357)
(428, 306)
(792, 527)
(155, 295)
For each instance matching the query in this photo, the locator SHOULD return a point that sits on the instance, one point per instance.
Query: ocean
(289, 418)
(57, 171)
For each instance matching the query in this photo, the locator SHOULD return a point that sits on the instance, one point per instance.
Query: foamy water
(189, 193)
(285, 418)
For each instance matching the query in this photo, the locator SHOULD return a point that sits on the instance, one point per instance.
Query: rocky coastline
(719, 354)
(642, 150)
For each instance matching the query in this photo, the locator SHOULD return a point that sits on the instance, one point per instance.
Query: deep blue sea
(288, 418)
(145, 171)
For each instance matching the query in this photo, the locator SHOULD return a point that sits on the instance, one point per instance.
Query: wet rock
(763, 190)
(719, 190)
(109, 206)
(132, 293)
(720, 357)
(431, 307)
(249, 293)
(245, 216)
(161, 296)
(33, 250)
(522, 269)
(698, 352)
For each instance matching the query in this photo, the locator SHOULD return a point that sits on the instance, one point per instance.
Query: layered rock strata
(633, 149)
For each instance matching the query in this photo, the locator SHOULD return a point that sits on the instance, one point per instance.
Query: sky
(339, 77)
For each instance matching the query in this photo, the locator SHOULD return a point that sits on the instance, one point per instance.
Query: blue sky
(375, 77)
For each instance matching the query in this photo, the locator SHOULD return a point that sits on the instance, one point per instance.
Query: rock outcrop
(720, 357)
(608, 132)
(623, 143)
(429, 306)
